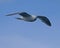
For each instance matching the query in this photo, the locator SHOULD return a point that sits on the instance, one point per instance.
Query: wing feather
(45, 20)
(12, 14)
(24, 14)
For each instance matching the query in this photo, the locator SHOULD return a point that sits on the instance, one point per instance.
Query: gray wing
(12, 14)
(24, 14)
(45, 20)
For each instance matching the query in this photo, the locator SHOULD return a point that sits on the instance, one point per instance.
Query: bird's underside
(27, 17)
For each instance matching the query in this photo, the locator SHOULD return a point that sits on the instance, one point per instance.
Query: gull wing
(45, 20)
(24, 14)
(12, 14)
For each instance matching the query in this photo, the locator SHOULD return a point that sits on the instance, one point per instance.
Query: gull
(31, 18)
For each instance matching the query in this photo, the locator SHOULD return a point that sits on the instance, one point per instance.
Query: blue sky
(21, 34)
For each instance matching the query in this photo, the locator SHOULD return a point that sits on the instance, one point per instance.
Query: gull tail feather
(19, 18)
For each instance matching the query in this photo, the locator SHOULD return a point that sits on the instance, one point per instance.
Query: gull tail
(45, 20)
(19, 18)
(12, 14)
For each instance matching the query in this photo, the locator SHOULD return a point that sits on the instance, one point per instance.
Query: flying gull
(31, 18)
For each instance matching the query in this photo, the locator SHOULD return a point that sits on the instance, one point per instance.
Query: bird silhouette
(31, 18)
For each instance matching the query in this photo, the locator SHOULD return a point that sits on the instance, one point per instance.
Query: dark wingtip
(49, 24)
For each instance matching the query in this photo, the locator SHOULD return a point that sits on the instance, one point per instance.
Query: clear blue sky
(21, 34)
